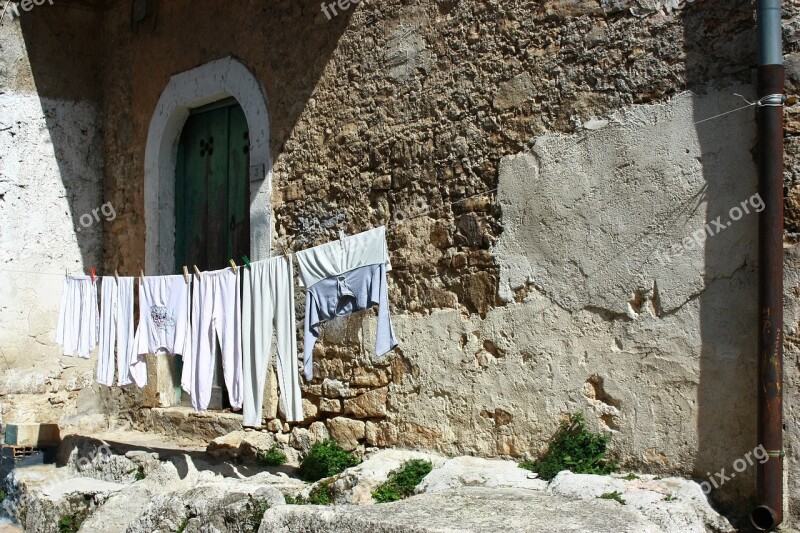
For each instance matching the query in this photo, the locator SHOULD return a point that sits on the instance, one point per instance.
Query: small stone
(274, 425)
(383, 434)
(514, 92)
(333, 388)
(330, 405)
(347, 432)
(318, 431)
(362, 377)
(382, 183)
(309, 410)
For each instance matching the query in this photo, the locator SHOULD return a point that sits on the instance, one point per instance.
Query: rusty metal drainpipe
(769, 476)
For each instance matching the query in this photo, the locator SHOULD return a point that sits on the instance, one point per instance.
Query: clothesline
(766, 101)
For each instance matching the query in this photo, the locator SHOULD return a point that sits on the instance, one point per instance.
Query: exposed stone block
(347, 432)
(368, 405)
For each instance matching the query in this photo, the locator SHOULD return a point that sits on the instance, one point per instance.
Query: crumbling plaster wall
(518, 307)
(51, 174)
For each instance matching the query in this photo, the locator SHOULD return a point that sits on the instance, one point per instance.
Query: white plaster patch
(587, 218)
(50, 174)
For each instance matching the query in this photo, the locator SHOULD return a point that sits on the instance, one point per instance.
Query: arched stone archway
(202, 85)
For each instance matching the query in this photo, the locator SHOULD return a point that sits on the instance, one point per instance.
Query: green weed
(616, 496)
(573, 448)
(70, 523)
(325, 459)
(321, 494)
(256, 514)
(401, 482)
(272, 457)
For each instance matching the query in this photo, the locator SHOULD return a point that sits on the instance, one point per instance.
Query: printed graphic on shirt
(162, 319)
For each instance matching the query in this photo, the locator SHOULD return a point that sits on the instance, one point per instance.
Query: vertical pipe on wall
(769, 476)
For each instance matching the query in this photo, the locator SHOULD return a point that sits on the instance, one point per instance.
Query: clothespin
(341, 235)
(246, 260)
(196, 270)
(116, 275)
(285, 250)
(186, 273)
(141, 275)
(91, 273)
(233, 265)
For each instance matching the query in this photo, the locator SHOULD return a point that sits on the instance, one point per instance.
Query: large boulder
(39, 497)
(677, 505)
(477, 472)
(462, 509)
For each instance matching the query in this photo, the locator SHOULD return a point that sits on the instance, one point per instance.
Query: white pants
(268, 302)
(77, 329)
(164, 326)
(126, 347)
(116, 325)
(216, 314)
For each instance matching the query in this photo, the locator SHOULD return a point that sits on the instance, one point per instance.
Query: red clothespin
(91, 273)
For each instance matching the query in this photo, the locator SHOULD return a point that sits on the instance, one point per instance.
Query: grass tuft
(325, 459)
(573, 448)
(272, 457)
(256, 514)
(401, 482)
(616, 496)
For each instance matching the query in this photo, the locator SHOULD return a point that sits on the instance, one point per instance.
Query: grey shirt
(342, 295)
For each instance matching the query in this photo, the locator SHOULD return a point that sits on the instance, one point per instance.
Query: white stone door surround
(199, 86)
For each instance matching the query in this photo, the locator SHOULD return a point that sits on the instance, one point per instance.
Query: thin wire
(34, 272)
(759, 102)
(395, 225)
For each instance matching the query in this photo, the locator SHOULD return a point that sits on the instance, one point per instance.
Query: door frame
(217, 80)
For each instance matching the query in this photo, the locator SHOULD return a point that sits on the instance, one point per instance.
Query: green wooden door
(212, 190)
(212, 203)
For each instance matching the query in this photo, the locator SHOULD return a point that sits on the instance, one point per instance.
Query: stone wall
(567, 137)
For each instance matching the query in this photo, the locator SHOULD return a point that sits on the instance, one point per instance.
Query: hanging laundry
(216, 314)
(268, 303)
(343, 277)
(164, 326)
(77, 330)
(116, 325)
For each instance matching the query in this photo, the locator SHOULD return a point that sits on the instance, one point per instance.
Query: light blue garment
(342, 295)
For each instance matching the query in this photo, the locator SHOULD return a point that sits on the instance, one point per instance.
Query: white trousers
(268, 302)
(77, 329)
(126, 348)
(163, 321)
(216, 314)
(116, 326)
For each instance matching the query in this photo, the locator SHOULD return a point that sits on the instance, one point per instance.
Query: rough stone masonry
(532, 161)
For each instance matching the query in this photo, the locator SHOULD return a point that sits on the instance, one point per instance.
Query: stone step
(32, 435)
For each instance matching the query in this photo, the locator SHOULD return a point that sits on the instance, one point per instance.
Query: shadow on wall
(99, 67)
(726, 395)
(112, 55)
(61, 44)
